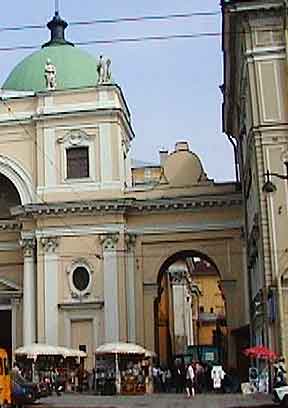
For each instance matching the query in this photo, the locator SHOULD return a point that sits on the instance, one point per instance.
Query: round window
(81, 278)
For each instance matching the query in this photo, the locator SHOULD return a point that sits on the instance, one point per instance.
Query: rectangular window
(77, 162)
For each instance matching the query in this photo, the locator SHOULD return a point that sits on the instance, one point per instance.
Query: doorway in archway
(190, 312)
(6, 330)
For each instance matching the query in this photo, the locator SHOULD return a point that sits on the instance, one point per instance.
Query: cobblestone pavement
(155, 401)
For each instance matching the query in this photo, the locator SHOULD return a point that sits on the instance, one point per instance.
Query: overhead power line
(172, 16)
(123, 40)
(165, 37)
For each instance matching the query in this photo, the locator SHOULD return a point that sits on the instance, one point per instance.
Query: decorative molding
(79, 262)
(132, 205)
(104, 229)
(74, 292)
(27, 245)
(91, 304)
(151, 289)
(109, 241)
(10, 226)
(49, 244)
(11, 287)
(75, 137)
(130, 240)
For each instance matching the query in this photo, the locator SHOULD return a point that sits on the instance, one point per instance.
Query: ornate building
(255, 116)
(86, 237)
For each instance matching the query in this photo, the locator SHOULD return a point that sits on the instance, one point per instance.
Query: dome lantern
(57, 26)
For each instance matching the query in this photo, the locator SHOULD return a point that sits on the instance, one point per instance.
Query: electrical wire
(119, 40)
(172, 16)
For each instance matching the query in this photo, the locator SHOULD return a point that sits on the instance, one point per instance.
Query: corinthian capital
(130, 240)
(27, 245)
(109, 241)
(49, 244)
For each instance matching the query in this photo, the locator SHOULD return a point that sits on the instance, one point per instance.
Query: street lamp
(268, 186)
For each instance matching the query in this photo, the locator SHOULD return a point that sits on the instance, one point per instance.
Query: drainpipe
(232, 141)
(281, 316)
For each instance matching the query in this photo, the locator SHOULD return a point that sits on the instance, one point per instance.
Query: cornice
(10, 225)
(124, 206)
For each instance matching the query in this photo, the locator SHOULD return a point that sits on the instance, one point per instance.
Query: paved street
(156, 401)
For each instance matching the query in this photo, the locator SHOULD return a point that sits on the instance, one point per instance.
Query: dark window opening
(77, 162)
(81, 278)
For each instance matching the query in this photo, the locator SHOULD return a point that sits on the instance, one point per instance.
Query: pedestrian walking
(179, 377)
(217, 375)
(190, 376)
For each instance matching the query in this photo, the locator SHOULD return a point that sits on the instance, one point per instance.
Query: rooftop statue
(50, 75)
(104, 71)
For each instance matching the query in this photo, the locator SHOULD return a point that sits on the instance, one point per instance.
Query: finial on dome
(57, 26)
(56, 6)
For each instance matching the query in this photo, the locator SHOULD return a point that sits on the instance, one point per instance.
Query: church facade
(86, 237)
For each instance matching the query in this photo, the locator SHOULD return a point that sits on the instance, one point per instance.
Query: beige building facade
(255, 116)
(85, 237)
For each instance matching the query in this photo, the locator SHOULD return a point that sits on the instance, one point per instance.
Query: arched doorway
(9, 264)
(190, 310)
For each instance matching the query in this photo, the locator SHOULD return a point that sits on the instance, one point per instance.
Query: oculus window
(77, 162)
(81, 278)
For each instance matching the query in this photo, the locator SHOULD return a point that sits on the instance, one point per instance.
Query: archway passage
(10, 267)
(9, 197)
(190, 311)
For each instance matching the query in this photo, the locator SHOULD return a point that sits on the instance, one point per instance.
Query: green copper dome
(75, 67)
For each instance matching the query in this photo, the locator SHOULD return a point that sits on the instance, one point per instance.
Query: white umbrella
(120, 348)
(70, 352)
(37, 349)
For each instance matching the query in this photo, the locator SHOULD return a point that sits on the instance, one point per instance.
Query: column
(29, 293)
(130, 240)
(110, 272)
(49, 246)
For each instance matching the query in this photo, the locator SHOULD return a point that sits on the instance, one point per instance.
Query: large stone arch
(184, 254)
(223, 249)
(11, 169)
(217, 251)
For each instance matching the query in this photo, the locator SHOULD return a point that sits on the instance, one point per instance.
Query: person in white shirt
(190, 375)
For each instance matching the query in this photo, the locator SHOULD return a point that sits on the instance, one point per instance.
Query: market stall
(42, 361)
(121, 368)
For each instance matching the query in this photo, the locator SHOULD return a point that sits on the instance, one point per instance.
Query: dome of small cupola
(74, 67)
(183, 167)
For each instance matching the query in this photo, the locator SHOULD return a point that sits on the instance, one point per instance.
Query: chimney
(163, 154)
(180, 146)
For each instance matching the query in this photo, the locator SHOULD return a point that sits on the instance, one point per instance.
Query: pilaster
(130, 241)
(50, 258)
(29, 291)
(110, 278)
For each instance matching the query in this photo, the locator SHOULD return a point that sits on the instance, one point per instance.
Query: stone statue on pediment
(50, 75)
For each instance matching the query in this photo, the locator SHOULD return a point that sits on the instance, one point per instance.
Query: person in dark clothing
(179, 378)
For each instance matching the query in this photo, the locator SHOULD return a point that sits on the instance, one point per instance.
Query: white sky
(172, 88)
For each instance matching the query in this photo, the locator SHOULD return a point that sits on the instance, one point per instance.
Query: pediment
(7, 286)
